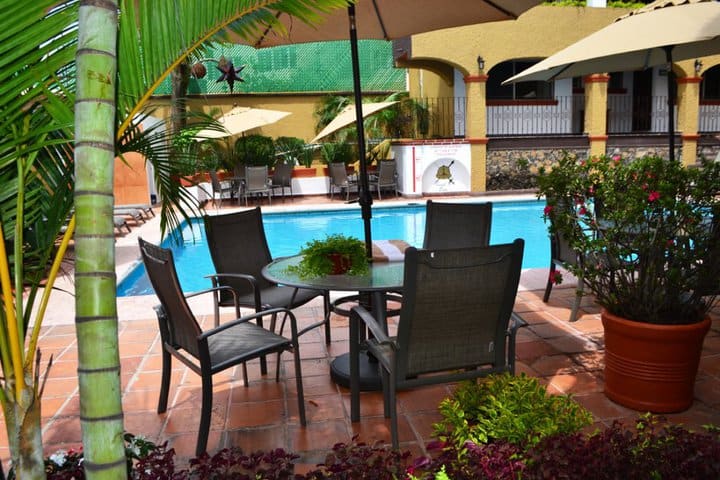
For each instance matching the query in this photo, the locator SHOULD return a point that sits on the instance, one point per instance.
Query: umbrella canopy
(656, 34)
(348, 116)
(242, 119)
(390, 19)
(385, 19)
(637, 41)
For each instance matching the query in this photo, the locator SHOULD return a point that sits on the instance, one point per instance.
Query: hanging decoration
(229, 72)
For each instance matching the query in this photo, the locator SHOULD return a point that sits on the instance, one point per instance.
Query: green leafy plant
(648, 230)
(317, 260)
(255, 150)
(294, 151)
(515, 409)
(334, 152)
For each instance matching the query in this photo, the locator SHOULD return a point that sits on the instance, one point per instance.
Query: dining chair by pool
(220, 188)
(340, 181)
(456, 322)
(282, 179)
(211, 351)
(457, 225)
(257, 183)
(386, 178)
(561, 253)
(239, 251)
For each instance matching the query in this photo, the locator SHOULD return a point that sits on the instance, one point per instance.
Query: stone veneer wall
(516, 169)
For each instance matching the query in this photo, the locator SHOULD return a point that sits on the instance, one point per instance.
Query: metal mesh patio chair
(209, 352)
(457, 225)
(282, 179)
(456, 322)
(386, 178)
(220, 188)
(239, 251)
(340, 181)
(257, 183)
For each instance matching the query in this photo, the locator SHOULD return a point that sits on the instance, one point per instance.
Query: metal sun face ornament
(229, 72)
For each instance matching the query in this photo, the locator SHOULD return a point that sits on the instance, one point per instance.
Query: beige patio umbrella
(348, 116)
(653, 35)
(384, 19)
(242, 119)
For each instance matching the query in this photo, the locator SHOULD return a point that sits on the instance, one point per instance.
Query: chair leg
(298, 383)
(393, 412)
(245, 375)
(165, 381)
(205, 412)
(549, 285)
(578, 298)
(326, 312)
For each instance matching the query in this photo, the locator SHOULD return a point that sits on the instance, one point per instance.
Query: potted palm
(648, 234)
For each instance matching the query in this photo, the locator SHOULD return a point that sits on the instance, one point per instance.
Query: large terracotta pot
(651, 367)
(341, 263)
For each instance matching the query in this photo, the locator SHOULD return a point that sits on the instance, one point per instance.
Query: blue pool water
(288, 232)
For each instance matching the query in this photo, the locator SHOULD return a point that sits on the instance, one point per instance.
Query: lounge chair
(133, 213)
(456, 323)
(212, 351)
(119, 222)
(145, 208)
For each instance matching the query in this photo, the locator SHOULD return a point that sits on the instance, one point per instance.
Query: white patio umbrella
(385, 19)
(348, 116)
(653, 35)
(242, 119)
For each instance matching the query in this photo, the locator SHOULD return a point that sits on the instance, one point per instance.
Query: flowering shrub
(648, 232)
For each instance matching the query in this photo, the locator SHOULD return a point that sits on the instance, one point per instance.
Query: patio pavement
(567, 357)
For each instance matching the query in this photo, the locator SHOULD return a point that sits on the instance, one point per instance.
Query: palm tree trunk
(101, 416)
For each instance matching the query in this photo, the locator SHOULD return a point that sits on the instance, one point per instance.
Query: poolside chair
(212, 351)
(282, 179)
(340, 181)
(457, 225)
(220, 189)
(257, 183)
(119, 223)
(239, 251)
(132, 213)
(386, 178)
(456, 323)
(145, 208)
(561, 254)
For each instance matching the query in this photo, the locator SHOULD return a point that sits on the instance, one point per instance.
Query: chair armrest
(375, 328)
(215, 290)
(247, 318)
(517, 322)
(249, 278)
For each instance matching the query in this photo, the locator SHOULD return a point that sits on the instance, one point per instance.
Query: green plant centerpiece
(334, 255)
(648, 235)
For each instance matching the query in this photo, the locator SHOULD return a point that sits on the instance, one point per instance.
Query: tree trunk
(180, 79)
(101, 416)
(22, 421)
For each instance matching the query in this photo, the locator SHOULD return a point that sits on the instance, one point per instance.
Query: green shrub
(255, 150)
(338, 152)
(516, 409)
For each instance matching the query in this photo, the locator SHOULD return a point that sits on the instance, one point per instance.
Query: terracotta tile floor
(567, 357)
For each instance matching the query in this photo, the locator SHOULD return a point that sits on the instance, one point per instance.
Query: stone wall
(516, 169)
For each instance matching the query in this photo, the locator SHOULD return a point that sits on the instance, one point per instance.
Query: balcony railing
(559, 116)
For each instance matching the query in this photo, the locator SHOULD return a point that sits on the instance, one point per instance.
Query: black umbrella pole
(365, 199)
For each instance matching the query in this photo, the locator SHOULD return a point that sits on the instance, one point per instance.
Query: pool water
(288, 232)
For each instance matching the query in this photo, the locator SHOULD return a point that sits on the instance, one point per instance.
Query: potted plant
(335, 255)
(648, 235)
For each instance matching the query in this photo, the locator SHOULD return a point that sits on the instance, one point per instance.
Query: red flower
(547, 210)
(654, 195)
(582, 211)
(556, 277)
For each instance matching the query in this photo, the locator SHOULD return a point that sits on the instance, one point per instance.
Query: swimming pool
(288, 232)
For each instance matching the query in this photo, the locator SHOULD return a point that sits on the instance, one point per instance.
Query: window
(710, 86)
(517, 91)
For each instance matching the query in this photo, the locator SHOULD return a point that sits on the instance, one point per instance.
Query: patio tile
(255, 414)
(576, 383)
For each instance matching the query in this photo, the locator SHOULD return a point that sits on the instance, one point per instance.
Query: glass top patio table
(381, 277)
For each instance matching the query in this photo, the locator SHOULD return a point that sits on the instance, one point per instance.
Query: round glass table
(373, 287)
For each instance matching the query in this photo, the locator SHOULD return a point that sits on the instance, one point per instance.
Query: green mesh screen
(309, 67)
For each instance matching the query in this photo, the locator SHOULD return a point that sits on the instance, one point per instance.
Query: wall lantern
(698, 66)
(481, 64)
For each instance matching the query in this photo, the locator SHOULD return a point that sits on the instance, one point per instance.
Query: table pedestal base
(369, 375)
